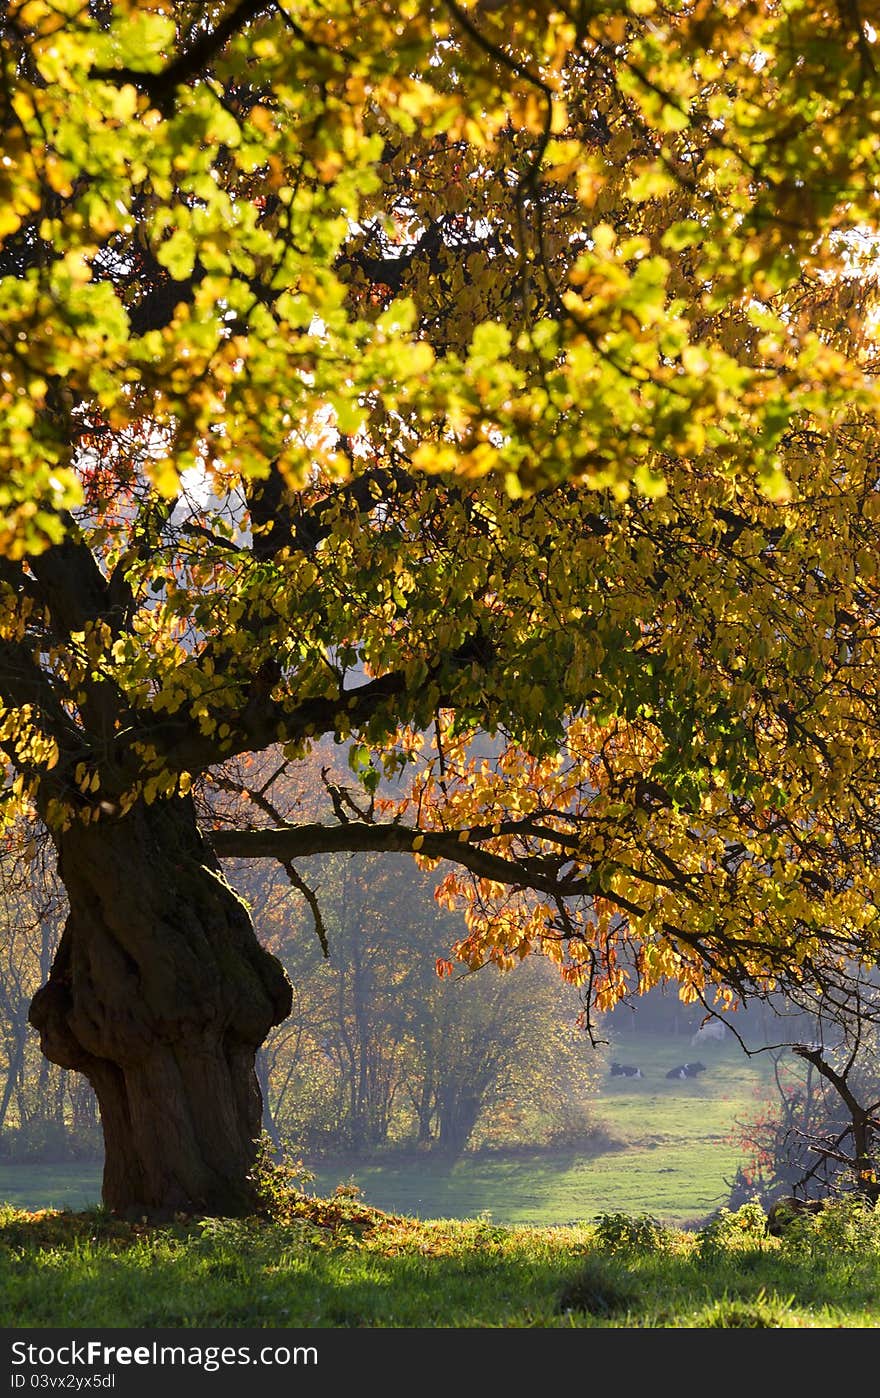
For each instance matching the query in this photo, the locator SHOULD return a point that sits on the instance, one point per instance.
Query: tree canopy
(489, 389)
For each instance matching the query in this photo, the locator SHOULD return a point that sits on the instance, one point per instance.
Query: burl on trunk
(161, 995)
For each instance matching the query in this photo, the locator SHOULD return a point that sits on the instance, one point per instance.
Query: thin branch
(311, 898)
(160, 87)
(464, 21)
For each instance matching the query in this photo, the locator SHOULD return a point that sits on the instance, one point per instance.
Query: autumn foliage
(490, 390)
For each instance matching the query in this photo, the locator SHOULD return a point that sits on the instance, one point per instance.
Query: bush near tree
(818, 1134)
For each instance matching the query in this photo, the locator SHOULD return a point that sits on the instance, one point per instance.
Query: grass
(338, 1263)
(675, 1153)
(50, 1186)
(678, 1183)
(600, 1242)
(674, 1156)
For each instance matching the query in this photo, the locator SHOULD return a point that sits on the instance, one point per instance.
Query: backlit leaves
(467, 374)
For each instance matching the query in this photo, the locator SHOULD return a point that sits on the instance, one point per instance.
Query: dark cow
(625, 1070)
(686, 1070)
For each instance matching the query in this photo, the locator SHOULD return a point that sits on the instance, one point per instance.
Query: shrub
(740, 1230)
(849, 1225)
(278, 1181)
(625, 1233)
(599, 1289)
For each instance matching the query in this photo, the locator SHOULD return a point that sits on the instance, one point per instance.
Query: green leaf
(178, 254)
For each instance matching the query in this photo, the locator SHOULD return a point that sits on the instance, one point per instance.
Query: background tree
(399, 374)
(504, 1063)
(380, 1051)
(45, 1113)
(819, 1132)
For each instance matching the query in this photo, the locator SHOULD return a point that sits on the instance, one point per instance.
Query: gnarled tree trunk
(161, 995)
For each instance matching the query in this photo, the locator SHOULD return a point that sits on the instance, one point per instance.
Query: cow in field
(625, 1070)
(713, 1030)
(686, 1070)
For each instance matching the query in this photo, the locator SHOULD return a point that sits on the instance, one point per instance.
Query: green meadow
(672, 1151)
(636, 1236)
(335, 1263)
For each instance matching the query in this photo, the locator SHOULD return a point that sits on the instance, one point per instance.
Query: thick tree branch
(76, 595)
(277, 524)
(24, 685)
(837, 1080)
(265, 721)
(359, 837)
(72, 585)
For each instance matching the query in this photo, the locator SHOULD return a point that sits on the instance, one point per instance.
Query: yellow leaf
(165, 478)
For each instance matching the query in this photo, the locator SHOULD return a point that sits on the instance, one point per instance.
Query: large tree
(489, 389)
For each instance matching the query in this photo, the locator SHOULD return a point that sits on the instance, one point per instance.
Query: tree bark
(458, 1111)
(161, 995)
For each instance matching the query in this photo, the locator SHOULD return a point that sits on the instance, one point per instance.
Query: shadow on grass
(385, 1271)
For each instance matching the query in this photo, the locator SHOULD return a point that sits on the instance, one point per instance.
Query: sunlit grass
(676, 1154)
(677, 1150)
(338, 1263)
(50, 1186)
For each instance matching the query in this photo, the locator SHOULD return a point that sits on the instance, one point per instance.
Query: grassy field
(50, 1186)
(674, 1156)
(336, 1263)
(611, 1251)
(676, 1150)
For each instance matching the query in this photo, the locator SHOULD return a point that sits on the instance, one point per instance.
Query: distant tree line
(662, 1011)
(45, 1112)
